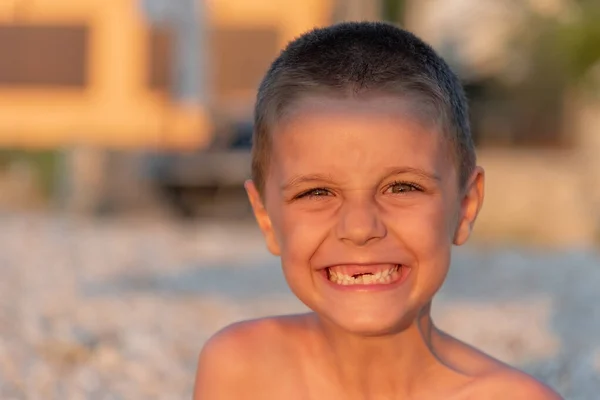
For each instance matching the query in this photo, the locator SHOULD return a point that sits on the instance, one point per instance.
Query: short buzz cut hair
(354, 59)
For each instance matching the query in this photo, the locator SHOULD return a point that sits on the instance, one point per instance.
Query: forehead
(357, 137)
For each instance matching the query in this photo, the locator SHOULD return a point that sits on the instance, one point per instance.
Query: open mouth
(365, 275)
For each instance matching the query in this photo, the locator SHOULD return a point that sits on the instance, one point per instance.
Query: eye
(403, 187)
(316, 192)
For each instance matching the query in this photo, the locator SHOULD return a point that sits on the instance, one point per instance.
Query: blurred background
(125, 236)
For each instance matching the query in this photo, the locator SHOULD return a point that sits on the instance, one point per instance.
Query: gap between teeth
(364, 279)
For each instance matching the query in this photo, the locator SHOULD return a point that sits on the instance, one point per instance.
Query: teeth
(380, 277)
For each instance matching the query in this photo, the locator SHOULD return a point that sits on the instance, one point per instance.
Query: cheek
(426, 225)
(425, 232)
(301, 234)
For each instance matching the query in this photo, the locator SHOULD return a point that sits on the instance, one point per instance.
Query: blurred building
(135, 76)
(175, 80)
(135, 73)
(90, 74)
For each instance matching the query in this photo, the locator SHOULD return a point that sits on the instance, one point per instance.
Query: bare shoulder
(229, 361)
(510, 383)
(491, 378)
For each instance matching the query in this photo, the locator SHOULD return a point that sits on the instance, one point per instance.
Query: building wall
(113, 104)
(115, 93)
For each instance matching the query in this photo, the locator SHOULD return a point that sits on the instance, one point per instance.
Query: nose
(360, 222)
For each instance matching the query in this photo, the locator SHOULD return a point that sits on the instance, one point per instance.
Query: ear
(262, 218)
(471, 202)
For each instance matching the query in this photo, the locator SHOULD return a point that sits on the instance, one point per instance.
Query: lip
(404, 274)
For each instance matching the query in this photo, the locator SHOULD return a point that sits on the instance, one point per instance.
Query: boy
(363, 177)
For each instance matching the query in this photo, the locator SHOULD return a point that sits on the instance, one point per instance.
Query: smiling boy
(363, 178)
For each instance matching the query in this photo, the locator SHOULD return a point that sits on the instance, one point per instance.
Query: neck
(396, 363)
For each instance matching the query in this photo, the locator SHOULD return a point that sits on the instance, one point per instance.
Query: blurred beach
(119, 308)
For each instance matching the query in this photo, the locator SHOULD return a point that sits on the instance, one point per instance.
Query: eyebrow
(417, 171)
(300, 179)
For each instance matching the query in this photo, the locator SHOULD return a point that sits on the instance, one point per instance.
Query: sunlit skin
(362, 182)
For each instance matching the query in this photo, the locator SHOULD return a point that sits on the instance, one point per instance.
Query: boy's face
(363, 206)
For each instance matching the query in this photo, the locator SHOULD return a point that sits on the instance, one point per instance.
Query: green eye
(317, 192)
(403, 187)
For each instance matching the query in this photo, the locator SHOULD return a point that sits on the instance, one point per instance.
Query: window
(34, 55)
(517, 118)
(160, 58)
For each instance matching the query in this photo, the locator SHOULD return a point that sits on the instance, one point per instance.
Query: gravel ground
(119, 309)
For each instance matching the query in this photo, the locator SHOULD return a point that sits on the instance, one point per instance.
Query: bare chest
(293, 382)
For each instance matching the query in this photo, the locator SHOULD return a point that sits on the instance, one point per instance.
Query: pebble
(119, 309)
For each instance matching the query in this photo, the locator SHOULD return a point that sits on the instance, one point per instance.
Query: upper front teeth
(378, 277)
